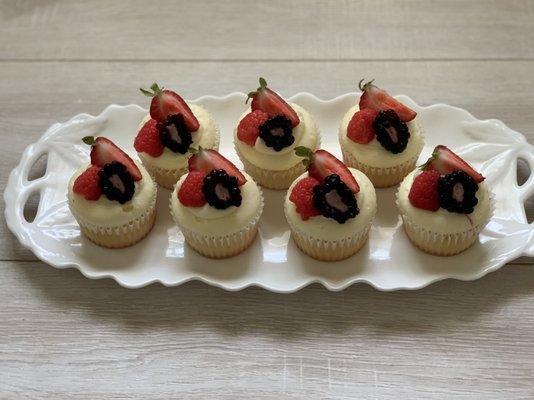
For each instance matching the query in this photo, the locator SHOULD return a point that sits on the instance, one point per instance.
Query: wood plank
(279, 30)
(63, 336)
(60, 90)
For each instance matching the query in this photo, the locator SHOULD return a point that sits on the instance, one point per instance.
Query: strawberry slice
(166, 102)
(446, 161)
(380, 100)
(268, 101)
(104, 151)
(322, 164)
(206, 160)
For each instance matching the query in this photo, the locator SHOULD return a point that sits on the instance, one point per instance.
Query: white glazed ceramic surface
(387, 262)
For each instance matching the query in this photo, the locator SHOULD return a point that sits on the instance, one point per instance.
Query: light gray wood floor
(63, 336)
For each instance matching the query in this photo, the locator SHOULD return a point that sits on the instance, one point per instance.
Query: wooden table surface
(63, 336)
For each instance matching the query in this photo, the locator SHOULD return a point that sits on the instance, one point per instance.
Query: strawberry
(269, 101)
(147, 140)
(87, 185)
(360, 128)
(190, 193)
(302, 197)
(206, 160)
(322, 164)
(446, 161)
(249, 127)
(424, 191)
(380, 100)
(166, 102)
(104, 151)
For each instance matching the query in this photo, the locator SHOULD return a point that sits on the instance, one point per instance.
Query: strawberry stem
(307, 154)
(89, 140)
(364, 86)
(156, 90)
(263, 85)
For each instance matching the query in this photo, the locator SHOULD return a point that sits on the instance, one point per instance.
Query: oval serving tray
(387, 262)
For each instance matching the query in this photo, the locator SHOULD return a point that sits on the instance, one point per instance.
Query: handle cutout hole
(529, 208)
(38, 169)
(523, 171)
(30, 208)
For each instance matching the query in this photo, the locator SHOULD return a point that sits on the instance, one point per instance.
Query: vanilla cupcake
(113, 198)
(444, 204)
(330, 208)
(381, 137)
(166, 134)
(216, 206)
(267, 134)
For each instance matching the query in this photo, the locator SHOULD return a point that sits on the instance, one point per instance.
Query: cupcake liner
(119, 236)
(221, 246)
(443, 244)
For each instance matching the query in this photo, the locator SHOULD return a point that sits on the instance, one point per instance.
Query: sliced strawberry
(270, 102)
(446, 161)
(380, 100)
(104, 151)
(302, 196)
(248, 129)
(424, 191)
(190, 193)
(166, 102)
(360, 128)
(147, 140)
(322, 164)
(86, 184)
(207, 160)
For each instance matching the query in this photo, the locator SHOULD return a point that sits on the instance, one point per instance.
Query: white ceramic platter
(387, 262)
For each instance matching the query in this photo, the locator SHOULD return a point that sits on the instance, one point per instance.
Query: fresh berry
(424, 191)
(147, 140)
(86, 184)
(221, 190)
(446, 161)
(457, 192)
(104, 151)
(302, 196)
(207, 160)
(335, 200)
(391, 132)
(277, 133)
(248, 129)
(380, 100)
(174, 135)
(190, 193)
(322, 164)
(116, 182)
(360, 128)
(269, 101)
(166, 102)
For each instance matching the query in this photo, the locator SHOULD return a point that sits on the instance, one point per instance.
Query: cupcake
(216, 206)
(267, 134)
(168, 131)
(113, 199)
(381, 137)
(330, 208)
(444, 204)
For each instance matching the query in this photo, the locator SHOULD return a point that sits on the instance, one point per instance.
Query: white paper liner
(443, 244)
(221, 246)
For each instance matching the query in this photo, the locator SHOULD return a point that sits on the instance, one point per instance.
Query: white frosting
(205, 136)
(305, 133)
(372, 153)
(208, 220)
(443, 221)
(328, 228)
(108, 213)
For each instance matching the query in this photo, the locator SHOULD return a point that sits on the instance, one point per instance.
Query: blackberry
(116, 182)
(277, 132)
(174, 135)
(457, 192)
(391, 132)
(221, 190)
(335, 200)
